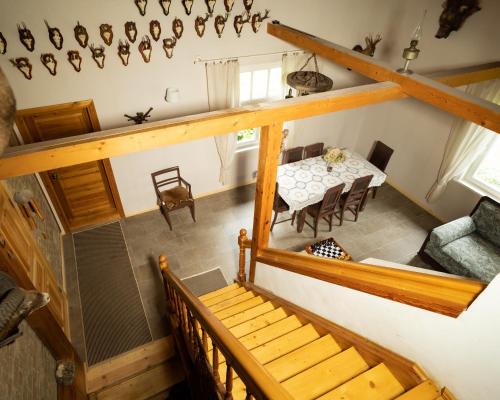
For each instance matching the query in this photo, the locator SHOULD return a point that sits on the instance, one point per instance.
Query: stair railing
(196, 324)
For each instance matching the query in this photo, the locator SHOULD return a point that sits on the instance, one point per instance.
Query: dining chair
(279, 206)
(313, 150)
(174, 198)
(292, 155)
(353, 200)
(326, 208)
(380, 157)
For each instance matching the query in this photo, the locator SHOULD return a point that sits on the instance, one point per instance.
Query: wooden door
(83, 194)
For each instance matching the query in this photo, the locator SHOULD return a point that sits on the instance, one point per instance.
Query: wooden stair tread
(271, 332)
(303, 358)
(259, 322)
(239, 391)
(326, 375)
(224, 296)
(246, 315)
(231, 302)
(238, 308)
(285, 344)
(425, 391)
(218, 292)
(376, 384)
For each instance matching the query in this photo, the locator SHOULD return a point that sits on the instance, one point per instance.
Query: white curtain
(467, 141)
(223, 87)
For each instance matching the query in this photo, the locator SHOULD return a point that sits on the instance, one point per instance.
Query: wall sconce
(411, 53)
(173, 95)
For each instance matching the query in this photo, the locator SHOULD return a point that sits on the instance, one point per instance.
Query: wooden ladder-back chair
(326, 209)
(292, 155)
(313, 150)
(175, 198)
(353, 200)
(280, 206)
(380, 157)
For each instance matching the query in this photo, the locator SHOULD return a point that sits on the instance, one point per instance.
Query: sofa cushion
(444, 234)
(473, 253)
(487, 220)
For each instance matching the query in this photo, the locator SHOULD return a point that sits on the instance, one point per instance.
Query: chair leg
(374, 192)
(193, 212)
(167, 217)
(365, 198)
(293, 217)
(330, 222)
(274, 220)
(316, 222)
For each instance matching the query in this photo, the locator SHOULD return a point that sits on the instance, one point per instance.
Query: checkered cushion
(329, 249)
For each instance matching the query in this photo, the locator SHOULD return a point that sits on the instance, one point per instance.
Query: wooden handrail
(258, 381)
(445, 295)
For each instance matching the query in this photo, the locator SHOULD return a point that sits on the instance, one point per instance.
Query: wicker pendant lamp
(306, 82)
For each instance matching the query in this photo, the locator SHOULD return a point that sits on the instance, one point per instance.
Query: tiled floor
(391, 228)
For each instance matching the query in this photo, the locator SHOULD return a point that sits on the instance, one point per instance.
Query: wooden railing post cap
(243, 234)
(163, 262)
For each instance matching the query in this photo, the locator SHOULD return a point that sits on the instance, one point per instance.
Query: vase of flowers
(334, 156)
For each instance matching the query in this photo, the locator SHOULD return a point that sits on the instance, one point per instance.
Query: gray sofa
(468, 246)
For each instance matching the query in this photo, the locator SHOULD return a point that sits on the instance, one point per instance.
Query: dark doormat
(114, 320)
(205, 282)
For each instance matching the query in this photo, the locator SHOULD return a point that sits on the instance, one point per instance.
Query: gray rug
(206, 282)
(114, 320)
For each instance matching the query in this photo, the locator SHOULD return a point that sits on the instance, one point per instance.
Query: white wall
(460, 353)
(117, 90)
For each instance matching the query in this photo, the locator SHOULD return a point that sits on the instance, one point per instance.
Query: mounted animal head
(199, 25)
(124, 51)
(155, 29)
(257, 20)
(177, 27)
(220, 24)
(454, 15)
(228, 5)
(168, 46)
(81, 35)
(165, 6)
(26, 37)
(248, 4)
(49, 62)
(106, 33)
(55, 36)
(240, 21)
(131, 31)
(141, 5)
(7, 112)
(75, 60)
(145, 48)
(98, 55)
(188, 6)
(23, 65)
(371, 44)
(210, 6)
(3, 44)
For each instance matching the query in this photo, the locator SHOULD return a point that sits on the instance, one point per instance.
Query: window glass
(275, 86)
(259, 84)
(245, 86)
(488, 170)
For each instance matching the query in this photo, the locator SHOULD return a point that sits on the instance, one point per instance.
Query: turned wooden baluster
(248, 396)
(215, 363)
(204, 339)
(242, 277)
(229, 381)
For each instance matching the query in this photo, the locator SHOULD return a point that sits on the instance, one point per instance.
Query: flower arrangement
(334, 156)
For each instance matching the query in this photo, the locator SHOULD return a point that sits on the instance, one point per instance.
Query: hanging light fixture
(411, 53)
(306, 82)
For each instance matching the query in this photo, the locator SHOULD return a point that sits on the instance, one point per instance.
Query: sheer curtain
(467, 141)
(223, 87)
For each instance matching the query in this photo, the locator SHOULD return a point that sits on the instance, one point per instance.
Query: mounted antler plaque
(257, 20)
(240, 21)
(26, 37)
(3, 44)
(49, 62)
(141, 5)
(124, 51)
(210, 6)
(248, 4)
(228, 5)
(55, 36)
(75, 60)
(177, 27)
(145, 49)
(23, 65)
(168, 46)
(165, 6)
(106, 31)
(188, 6)
(155, 29)
(220, 24)
(371, 44)
(199, 25)
(131, 31)
(81, 35)
(98, 55)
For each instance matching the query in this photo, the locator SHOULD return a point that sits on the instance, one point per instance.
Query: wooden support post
(269, 151)
(242, 277)
(215, 363)
(229, 381)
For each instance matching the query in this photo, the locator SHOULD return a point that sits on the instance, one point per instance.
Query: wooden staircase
(310, 357)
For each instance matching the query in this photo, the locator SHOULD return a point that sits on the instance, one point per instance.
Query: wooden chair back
(158, 182)
(313, 150)
(331, 199)
(380, 155)
(358, 190)
(293, 155)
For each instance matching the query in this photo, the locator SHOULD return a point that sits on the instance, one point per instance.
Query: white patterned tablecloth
(305, 182)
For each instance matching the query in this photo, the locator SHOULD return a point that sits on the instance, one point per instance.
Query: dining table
(305, 182)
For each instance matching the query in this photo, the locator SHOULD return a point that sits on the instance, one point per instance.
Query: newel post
(242, 238)
(163, 263)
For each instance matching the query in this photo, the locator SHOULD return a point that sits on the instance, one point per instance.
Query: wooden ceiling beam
(38, 157)
(423, 88)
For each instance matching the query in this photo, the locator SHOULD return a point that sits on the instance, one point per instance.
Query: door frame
(96, 126)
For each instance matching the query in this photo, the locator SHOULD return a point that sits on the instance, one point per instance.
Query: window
(485, 172)
(257, 83)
